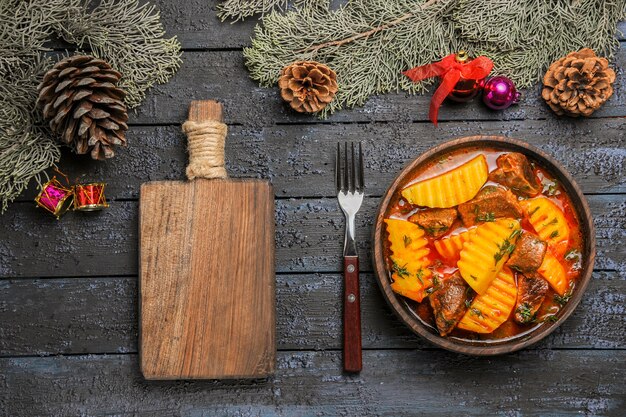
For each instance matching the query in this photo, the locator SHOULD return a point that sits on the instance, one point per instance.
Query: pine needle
(128, 35)
(370, 42)
(241, 9)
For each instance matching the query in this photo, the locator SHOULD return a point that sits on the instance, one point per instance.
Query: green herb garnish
(432, 230)
(574, 256)
(550, 319)
(562, 300)
(474, 277)
(400, 270)
(525, 187)
(554, 234)
(515, 234)
(553, 221)
(505, 249)
(407, 240)
(526, 313)
(468, 303)
(487, 217)
(443, 318)
(550, 188)
(436, 282)
(476, 312)
(420, 274)
(533, 211)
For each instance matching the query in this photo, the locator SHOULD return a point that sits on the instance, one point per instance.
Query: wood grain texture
(352, 334)
(309, 238)
(99, 315)
(90, 307)
(207, 292)
(290, 155)
(392, 383)
(207, 279)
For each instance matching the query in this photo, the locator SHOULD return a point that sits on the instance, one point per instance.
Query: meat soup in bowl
(483, 245)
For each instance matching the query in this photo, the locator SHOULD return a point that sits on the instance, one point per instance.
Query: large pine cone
(84, 107)
(307, 86)
(578, 83)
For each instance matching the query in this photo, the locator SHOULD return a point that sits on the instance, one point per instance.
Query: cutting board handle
(206, 137)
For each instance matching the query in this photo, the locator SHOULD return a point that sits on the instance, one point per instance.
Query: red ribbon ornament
(450, 70)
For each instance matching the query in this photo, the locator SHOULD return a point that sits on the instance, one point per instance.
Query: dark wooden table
(68, 289)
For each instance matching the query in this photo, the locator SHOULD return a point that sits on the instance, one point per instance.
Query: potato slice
(548, 221)
(450, 188)
(489, 310)
(449, 247)
(486, 251)
(554, 272)
(408, 244)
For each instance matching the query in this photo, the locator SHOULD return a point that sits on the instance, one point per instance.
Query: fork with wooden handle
(350, 195)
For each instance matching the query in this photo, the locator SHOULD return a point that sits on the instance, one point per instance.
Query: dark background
(68, 289)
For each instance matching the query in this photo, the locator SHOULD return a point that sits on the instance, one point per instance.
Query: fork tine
(353, 185)
(338, 169)
(346, 177)
(361, 179)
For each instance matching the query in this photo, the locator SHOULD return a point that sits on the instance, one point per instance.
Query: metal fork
(350, 185)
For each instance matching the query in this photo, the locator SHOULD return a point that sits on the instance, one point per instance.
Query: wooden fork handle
(352, 361)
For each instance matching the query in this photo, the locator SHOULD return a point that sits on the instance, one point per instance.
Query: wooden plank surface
(70, 287)
(309, 238)
(99, 315)
(392, 383)
(593, 151)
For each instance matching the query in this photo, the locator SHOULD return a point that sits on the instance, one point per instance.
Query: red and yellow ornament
(461, 78)
(57, 198)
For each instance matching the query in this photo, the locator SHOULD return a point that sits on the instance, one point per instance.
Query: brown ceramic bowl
(401, 307)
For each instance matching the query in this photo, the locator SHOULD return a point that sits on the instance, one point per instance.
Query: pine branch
(126, 34)
(241, 9)
(130, 37)
(366, 34)
(370, 42)
(25, 149)
(366, 65)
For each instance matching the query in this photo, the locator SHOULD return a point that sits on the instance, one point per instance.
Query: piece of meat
(528, 253)
(490, 203)
(436, 222)
(514, 171)
(449, 302)
(531, 291)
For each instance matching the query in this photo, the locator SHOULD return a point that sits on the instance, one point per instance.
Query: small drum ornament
(54, 197)
(90, 197)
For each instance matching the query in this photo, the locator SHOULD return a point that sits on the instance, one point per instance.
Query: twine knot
(205, 143)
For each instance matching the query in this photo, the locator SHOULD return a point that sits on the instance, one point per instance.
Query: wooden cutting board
(207, 285)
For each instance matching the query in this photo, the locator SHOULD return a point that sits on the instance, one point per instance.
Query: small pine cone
(578, 83)
(307, 86)
(82, 104)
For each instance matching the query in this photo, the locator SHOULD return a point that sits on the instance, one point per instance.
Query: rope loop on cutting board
(205, 143)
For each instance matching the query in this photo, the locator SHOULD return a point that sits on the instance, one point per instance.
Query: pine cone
(578, 83)
(84, 107)
(307, 86)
